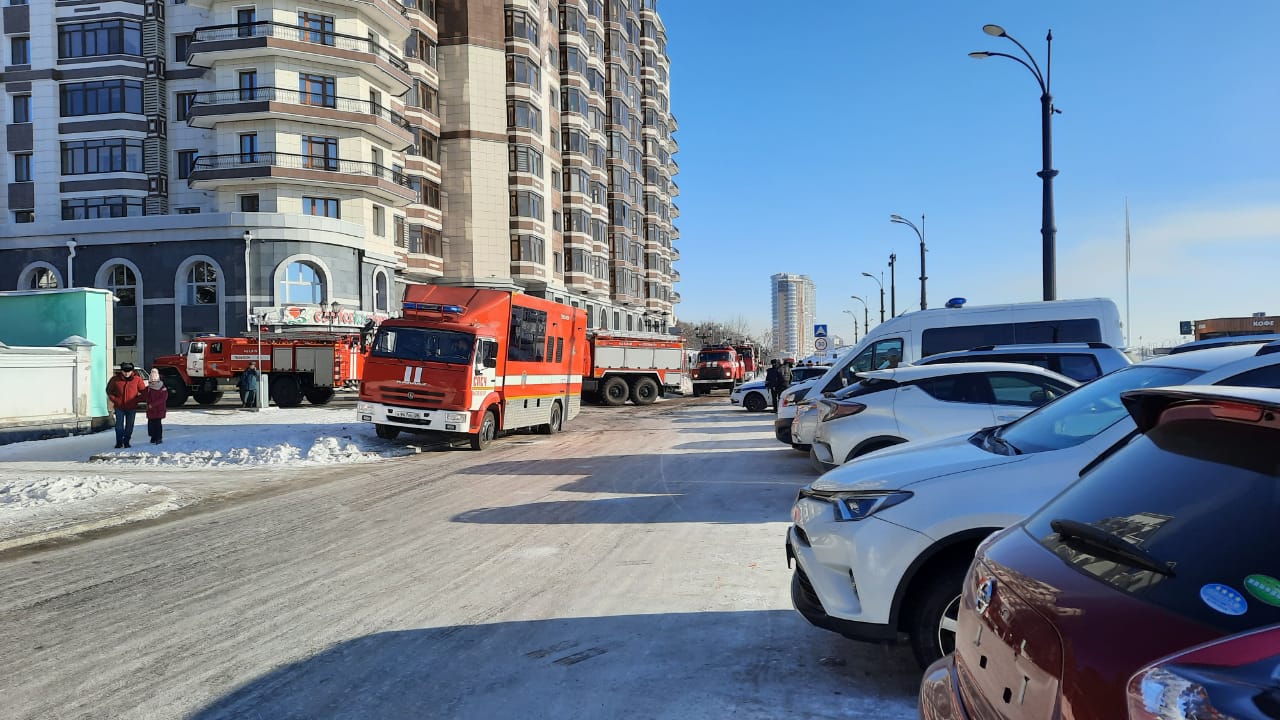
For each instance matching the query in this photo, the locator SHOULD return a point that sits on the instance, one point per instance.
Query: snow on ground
(27, 493)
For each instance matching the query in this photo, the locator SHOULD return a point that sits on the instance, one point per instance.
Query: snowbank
(28, 493)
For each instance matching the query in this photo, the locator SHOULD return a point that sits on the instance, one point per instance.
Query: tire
(755, 402)
(204, 397)
(319, 395)
(614, 392)
(488, 431)
(556, 424)
(932, 624)
(645, 391)
(699, 391)
(286, 391)
(178, 392)
(801, 447)
(386, 432)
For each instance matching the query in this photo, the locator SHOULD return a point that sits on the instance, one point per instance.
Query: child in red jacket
(157, 398)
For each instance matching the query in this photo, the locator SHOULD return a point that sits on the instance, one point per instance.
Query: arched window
(43, 279)
(301, 284)
(202, 284)
(124, 284)
(380, 292)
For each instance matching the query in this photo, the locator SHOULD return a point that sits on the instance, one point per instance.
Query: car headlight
(455, 417)
(364, 407)
(860, 504)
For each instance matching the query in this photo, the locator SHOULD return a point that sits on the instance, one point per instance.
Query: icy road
(631, 567)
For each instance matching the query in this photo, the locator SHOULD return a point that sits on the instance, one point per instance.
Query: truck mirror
(491, 362)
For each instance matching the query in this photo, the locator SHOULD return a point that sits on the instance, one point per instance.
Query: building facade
(220, 164)
(795, 304)
(1256, 324)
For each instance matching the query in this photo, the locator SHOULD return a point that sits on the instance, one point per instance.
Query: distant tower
(794, 302)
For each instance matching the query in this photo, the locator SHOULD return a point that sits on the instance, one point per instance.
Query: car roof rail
(1099, 346)
(982, 347)
(1269, 348)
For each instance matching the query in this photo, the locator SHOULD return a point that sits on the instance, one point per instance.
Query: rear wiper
(1095, 539)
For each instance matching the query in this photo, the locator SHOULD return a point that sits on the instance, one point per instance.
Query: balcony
(213, 43)
(213, 171)
(266, 103)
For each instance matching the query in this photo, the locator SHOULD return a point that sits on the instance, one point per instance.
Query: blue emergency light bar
(434, 307)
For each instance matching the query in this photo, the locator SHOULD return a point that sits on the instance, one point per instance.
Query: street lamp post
(866, 314)
(1048, 230)
(248, 283)
(893, 286)
(334, 309)
(920, 234)
(854, 315)
(879, 282)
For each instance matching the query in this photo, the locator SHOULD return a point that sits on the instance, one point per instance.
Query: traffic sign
(820, 344)
(819, 330)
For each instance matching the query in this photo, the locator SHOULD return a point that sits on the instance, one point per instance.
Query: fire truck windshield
(713, 357)
(405, 343)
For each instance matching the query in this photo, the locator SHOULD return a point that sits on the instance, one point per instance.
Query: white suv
(881, 543)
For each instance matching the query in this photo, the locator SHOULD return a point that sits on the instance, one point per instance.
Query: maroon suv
(1167, 541)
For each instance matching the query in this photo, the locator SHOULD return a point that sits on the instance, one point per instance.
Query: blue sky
(801, 131)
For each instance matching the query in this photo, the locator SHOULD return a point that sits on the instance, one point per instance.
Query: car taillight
(836, 410)
(1230, 679)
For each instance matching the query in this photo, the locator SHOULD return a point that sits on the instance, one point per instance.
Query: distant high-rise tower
(794, 303)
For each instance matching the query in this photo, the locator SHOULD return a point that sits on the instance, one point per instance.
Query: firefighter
(248, 386)
(773, 381)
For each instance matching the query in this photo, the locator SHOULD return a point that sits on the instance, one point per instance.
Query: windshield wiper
(1006, 447)
(1096, 539)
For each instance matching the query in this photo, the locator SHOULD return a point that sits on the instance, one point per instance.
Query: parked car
(1166, 542)
(1233, 677)
(927, 401)
(882, 543)
(1223, 342)
(1081, 362)
(754, 396)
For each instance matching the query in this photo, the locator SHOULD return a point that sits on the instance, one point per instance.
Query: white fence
(46, 391)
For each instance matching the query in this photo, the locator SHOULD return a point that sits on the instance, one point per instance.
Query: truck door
(195, 359)
(485, 375)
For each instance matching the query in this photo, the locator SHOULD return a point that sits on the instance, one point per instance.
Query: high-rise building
(794, 304)
(220, 163)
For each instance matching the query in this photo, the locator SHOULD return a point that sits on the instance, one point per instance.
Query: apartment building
(795, 303)
(224, 164)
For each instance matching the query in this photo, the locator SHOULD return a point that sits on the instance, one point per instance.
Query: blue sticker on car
(1224, 599)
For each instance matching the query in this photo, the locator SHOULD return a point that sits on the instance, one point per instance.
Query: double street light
(866, 314)
(1048, 232)
(920, 234)
(880, 282)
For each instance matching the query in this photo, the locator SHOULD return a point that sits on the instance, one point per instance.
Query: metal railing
(296, 97)
(301, 162)
(328, 38)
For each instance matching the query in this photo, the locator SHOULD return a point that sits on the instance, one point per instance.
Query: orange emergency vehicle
(469, 362)
(640, 366)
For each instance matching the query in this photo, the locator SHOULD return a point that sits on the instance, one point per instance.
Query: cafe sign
(316, 316)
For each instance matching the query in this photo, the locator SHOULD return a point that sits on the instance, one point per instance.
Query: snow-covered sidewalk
(74, 484)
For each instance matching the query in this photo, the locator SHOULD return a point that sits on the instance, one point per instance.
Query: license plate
(409, 414)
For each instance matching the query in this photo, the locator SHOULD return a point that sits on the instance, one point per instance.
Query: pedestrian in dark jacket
(785, 369)
(248, 386)
(773, 381)
(124, 391)
(157, 398)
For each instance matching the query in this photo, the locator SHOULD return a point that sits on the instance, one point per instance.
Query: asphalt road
(631, 567)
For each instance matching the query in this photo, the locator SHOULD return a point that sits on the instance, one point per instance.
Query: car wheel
(205, 397)
(319, 395)
(933, 624)
(488, 430)
(755, 402)
(286, 391)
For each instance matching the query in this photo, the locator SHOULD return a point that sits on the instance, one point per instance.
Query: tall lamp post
(866, 314)
(854, 315)
(1048, 231)
(248, 283)
(920, 234)
(893, 285)
(334, 309)
(881, 284)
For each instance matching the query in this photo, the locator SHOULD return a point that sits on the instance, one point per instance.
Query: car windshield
(1086, 411)
(714, 357)
(404, 343)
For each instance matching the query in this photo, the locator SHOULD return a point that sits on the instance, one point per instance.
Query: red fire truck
(468, 362)
(717, 367)
(639, 366)
(310, 366)
(750, 363)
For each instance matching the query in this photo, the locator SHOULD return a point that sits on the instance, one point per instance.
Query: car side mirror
(491, 362)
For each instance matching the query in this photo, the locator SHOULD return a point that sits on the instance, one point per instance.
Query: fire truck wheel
(205, 397)
(177, 393)
(488, 430)
(557, 421)
(386, 432)
(319, 395)
(644, 392)
(614, 392)
(286, 391)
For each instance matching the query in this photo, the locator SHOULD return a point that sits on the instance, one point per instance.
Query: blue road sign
(819, 330)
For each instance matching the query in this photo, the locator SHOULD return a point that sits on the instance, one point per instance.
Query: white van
(919, 334)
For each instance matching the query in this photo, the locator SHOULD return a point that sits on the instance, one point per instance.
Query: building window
(428, 146)
(188, 211)
(379, 221)
(110, 206)
(249, 203)
(186, 163)
(380, 292)
(522, 25)
(521, 114)
(182, 47)
(325, 207)
(20, 51)
(524, 159)
(523, 71)
(301, 285)
(21, 108)
(22, 167)
(318, 90)
(101, 96)
(245, 19)
(202, 284)
(43, 279)
(319, 152)
(106, 37)
(122, 282)
(249, 148)
(316, 28)
(24, 216)
(248, 84)
(397, 223)
(528, 248)
(103, 155)
(525, 203)
(182, 103)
